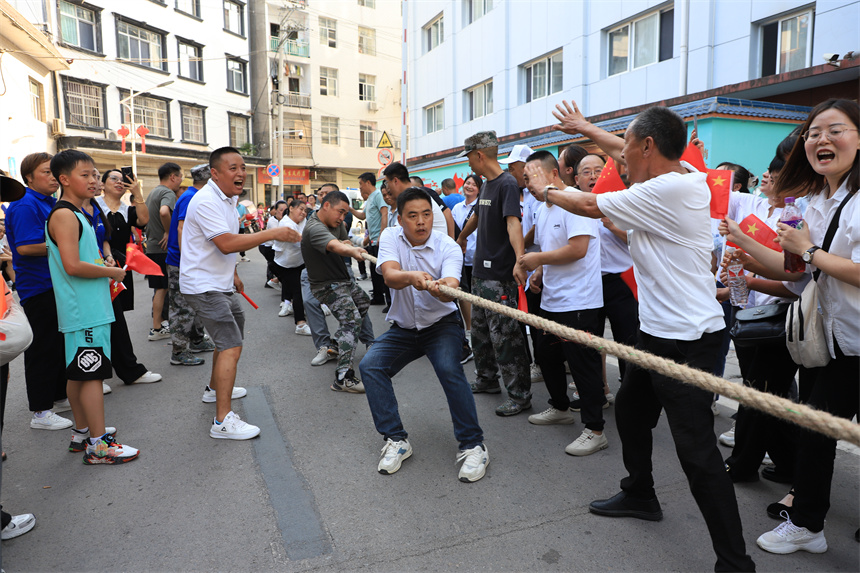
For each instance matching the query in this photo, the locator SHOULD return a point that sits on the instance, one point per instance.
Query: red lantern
(142, 131)
(123, 132)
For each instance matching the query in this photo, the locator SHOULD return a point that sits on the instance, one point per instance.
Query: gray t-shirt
(158, 197)
(324, 267)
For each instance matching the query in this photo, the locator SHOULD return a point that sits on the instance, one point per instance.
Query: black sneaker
(349, 383)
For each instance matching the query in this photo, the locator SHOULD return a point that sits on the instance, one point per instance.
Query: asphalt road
(306, 495)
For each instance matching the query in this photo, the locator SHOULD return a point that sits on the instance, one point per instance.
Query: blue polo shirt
(453, 199)
(179, 210)
(25, 225)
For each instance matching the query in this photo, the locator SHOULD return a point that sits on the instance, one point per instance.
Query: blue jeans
(316, 318)
(442, 344)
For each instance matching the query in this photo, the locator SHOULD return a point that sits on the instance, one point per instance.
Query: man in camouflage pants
(324, 244)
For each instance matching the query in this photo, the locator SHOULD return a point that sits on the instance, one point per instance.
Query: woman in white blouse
(288, 267)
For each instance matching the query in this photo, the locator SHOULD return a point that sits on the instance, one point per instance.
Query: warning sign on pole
(385, 142)
(385, 157)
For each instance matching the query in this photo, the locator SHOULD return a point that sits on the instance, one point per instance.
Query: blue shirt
(25, 225)
(179, 211)
(98, 225)
(452, 199)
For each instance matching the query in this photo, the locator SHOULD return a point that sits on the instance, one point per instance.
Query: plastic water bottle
(739, 292)
(791, 216)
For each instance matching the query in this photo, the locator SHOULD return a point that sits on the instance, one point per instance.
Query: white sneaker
(475, 461)
(286, 308)
(233, 428)
(393, 454)
(714, 409)
(536, 374)
(50, 422)
(728, 438)
(323, 356)
(19, 525)
(610, 398)
(209, 394)
(273, 284)
(62, 406)
(148, 378)
(552, 416)
(767, 461)
(303, 330)
(571, 386)
(245, 260)
(587, 443)
(788, 538)
(105, 388)
(326, 310)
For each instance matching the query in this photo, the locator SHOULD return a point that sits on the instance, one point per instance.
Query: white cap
(518, 153)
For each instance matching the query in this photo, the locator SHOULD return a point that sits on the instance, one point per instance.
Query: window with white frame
(189, 7)
(366, 41)
(236, 76)
(366, 87)
(149, 111)
(328, 81)
(330, 130)
(328, 32)
(435, 117)
(37, 97)
(140, 46)
(787, 43)
(477, 8)
(544, 77)
(85, 103)
(366, 133)
(480, 100)
(190, 61)
(234, 17)
(79, 26)
(367, 3)
(640, 42)
(434, 33)
(193, 123)
(238, 130)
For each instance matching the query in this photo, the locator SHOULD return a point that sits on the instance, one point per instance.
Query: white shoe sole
(786, 548)
(583, 453)
(213, 433)
(542, 422)
(466, 479)
(386, 472)
(61, 426)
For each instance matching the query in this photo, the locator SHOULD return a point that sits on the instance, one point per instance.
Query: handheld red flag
(629, 279)
(609, 180)
(137, 261)
(693, 156)
(115, 289)
(522, 303)
(720, 184)
(755, 228)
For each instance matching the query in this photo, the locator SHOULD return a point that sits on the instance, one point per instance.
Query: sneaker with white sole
(19, 525)
(272, 284)
(326, 310)
(209, 394)
(610, 397)
(303, 330)
(185, 358)
(324, 354)
(50, 421)
(475, 461)
(788, 538)
(160, 334)
(149, 378)
(79, 439)
(205, 345)
(62, 406)
(727, 438)
(108, 451)
(233, 428)
(349, 383)
(587, 443)
(286, 308)
(714, 409)
(536, 374)
(106, 389)
(393, 454)
(552, 416)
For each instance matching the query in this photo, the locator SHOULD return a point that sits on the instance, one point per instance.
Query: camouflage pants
(498, 341)
(184, 324)
(348, 304)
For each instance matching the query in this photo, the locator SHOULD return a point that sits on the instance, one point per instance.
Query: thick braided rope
(800, 414)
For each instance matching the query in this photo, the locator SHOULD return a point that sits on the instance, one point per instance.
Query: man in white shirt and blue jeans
(414, 260)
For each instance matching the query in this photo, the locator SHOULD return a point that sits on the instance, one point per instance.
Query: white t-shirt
(289, 255)
(576, 285)
(461, 213)
(671, 249)
(271, 223)
(439, 223)
(614, 253)
(529, 215)
(440, 257)
(204, 268)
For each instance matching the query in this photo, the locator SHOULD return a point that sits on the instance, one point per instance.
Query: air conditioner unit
(111, 135)
(58, 127)
(372, 106)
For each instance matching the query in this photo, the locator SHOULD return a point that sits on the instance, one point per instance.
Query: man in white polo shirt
(208, 277)
(425, 323)
(667, 208)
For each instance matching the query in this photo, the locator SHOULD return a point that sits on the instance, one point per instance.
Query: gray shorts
(222, 316)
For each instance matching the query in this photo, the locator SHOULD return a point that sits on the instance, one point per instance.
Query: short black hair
(412, 194)
(215, 156)
(665, 127)
(333, 186)
(417, 181)
(547, 159)
(335, 197)
(66, 160)
(448, 184)
(107, 173)
(167, 170)
(397, 171)
(368, 176)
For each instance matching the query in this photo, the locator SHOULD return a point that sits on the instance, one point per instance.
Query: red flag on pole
(137, 261)
(693, 156)
(755, 228)
(720, 184)
(522, 303)
(609, 180)
(115, 289)
(629, 279)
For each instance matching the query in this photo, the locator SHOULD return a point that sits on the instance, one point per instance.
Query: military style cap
(481, 140)
(201, 172)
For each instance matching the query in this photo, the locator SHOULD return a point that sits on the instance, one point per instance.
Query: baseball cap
(481, 140)
(518, 153)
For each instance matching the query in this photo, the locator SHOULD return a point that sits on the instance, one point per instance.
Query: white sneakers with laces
(286, 308)
(393, 454)
(475, 461)
(303, 329)
(209, 396)
(535, 374)
(552, 416)
(587, 443)
(727, 438)
(233, 428)
(788, 538)
(50, 421)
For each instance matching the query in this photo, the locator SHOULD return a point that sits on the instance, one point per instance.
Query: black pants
(622, 310)
(123, 359)
(380, 290)
(45, 360)
(533, 302)
(291, 288)
(269, 254)
(362, 267)
(586, 366)
(4, 384)
(835, 391)
(642, 396)
(769, 369)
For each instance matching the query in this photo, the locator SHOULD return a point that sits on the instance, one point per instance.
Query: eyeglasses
(589, 172)
(114, 178)
(833, 133)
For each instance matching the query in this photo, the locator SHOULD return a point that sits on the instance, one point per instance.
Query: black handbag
(760, 325)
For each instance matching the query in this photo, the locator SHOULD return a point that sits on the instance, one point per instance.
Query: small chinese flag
(609, 180)
(138, 235)
(137, 261)
(693, 156)
(720, 184)
(755, 228)
(115, 289)
(629, 278)
(522, 303)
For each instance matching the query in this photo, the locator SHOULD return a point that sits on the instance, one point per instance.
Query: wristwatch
(807, 254)
(546, 194)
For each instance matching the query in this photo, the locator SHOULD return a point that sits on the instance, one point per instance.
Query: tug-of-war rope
(800, 414)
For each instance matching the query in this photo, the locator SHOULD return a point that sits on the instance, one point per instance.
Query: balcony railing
(299, 48)
(294, 99)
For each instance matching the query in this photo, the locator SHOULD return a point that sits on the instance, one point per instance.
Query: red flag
(755, 228)
(115, 289)
(693, 156)
(720, 184)
(522, 303)
(629, 279)
(609, 180)
(138, 235)
(137, 261)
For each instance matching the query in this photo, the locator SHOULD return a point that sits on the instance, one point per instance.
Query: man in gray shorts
(208, 277)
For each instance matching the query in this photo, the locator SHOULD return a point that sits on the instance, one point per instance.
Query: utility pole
(279, 136)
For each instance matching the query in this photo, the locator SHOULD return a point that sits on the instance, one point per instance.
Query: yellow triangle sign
(385, 142)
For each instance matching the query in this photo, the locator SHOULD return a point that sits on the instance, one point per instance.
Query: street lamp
(130, 107)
